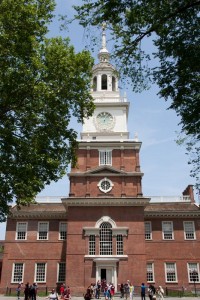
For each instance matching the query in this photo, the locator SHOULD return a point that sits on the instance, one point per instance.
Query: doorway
(103, 274)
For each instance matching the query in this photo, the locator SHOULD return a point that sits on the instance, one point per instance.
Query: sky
(163, 162)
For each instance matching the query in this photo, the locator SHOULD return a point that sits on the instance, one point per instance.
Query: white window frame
(174, 270)
(18, 280)
(38, 233)
(105, 157)
(189, 231)
(45, 272)
(59, 270)
(150, 270)
(193, 266)
(167, 231)
(61, 227)
(92, 244)
(19, 230)
(148, 230)
(119, 244)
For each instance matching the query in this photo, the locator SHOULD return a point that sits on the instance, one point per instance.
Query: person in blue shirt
(143, 291)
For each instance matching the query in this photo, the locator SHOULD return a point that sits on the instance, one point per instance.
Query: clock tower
(105, 204)
(109, 121)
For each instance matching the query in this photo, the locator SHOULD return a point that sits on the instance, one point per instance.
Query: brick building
(106, 228)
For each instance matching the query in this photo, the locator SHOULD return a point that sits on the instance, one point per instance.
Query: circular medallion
(104, 121)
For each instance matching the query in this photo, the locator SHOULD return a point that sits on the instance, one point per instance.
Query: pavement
(2, 297)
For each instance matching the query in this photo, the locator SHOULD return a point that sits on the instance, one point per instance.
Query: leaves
(171, 29)
(43, 84)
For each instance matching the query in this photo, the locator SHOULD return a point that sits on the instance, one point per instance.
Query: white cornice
(38, 215)
(172, 214)
(93, 144)
(105, 201)
(110, 174)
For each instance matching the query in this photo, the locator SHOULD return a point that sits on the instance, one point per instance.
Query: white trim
(105, 219)
(175, 270)
(17, 230)
(40, 222)
(171, 231)
(150, 230)
(152, 268)
(104, 180)
(45, 266)
(197, 269)
(13, 269)
(193, 227)
(61, 222)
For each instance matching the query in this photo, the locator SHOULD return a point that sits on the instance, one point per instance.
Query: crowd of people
(126, 291)
(30, 291)
(95, 290)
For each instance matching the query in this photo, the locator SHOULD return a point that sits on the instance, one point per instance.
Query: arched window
(105, 238)
(104, 82)
(113, 83)
(95, 83)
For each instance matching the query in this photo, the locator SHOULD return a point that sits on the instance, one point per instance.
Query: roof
(40, 210)
(172, 209)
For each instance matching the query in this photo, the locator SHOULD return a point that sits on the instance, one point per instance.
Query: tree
(43, 83)
(173, 28)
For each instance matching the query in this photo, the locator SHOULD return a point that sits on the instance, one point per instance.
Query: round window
(105, 185)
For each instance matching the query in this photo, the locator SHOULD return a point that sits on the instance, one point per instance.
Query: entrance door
(107, 275)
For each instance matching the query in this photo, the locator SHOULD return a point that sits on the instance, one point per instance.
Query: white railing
(49, 199)
(154, 199)
(110, 99)
(158, 199)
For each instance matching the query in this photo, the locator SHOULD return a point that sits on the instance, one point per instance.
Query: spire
(103, 53)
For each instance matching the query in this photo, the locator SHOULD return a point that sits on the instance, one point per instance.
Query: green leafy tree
(43, 83)
(173, 29)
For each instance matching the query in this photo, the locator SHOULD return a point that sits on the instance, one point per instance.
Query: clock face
(105, 121)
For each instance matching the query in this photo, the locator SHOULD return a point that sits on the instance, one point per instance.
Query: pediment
(105, 169)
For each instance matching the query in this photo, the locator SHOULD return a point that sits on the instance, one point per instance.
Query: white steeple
(109, 121)
(103, 53)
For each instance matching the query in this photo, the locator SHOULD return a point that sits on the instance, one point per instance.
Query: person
(122, 290)
(87, 295)
(112, 291)
(18, 290)
(33, 291)
(151, 291)
(143, 291)
(131, 291)
(62, 291)
(160, 292)
(53, 295)
(67, 293)
(98, 289)
(106, 293)
(126, 290)
(26, 291)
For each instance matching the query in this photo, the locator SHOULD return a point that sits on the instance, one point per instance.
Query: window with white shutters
(63, 231)
(150, 272)
(167, 230)
(189, 230)
(105, 157)
(170, 272)
(61, 271)
(21, 232)
(193, 272)
(148, 231)
(40, 272)
(43, 228)
(17, 275)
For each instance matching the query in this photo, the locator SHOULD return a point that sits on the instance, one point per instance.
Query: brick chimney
(189, 192)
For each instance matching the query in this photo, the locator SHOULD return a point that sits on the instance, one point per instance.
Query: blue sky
(163, 162)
